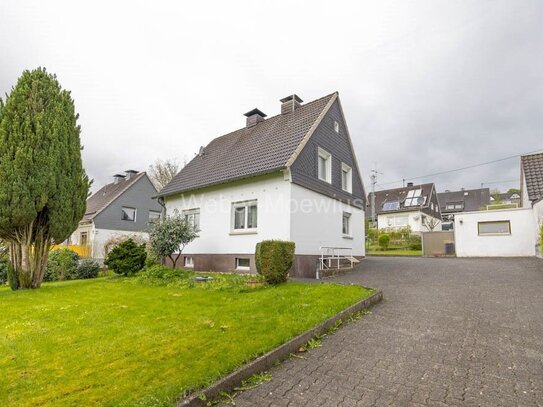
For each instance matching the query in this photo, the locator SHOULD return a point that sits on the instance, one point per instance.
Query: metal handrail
(334, 256)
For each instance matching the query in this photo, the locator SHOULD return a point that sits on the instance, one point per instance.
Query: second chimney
(290, 103)
(409, 184)
(117, 178)
(254, 117)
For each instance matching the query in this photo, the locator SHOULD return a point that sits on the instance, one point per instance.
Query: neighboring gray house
(465, 200)
(124, 207)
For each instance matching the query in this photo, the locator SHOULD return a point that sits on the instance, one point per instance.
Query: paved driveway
(449, 332)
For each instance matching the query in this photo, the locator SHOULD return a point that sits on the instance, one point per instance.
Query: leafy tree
(512, 191)
(171, 235)
(43, 186)
(495, 193)
(162, 172)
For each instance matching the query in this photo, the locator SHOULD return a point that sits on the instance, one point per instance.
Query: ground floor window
(192, 217)
(83, 238)
(244, 216)
(243, 263)
(189, 261)
(498, 227)
(346, 228)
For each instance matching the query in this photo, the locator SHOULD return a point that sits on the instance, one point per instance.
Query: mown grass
(119, 342)
(377, 251)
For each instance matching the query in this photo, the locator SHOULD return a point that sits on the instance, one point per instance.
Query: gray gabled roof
(102, 198)
(471, 199)
(263, 148)
(532, 167)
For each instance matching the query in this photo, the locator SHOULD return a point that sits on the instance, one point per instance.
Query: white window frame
(189, 262)
(246, 205)
(192, 212)
(508, 222)
(345, 169)
(336, 126)
(155, 219)
(328, 165)
(123, 211)
(346, 215)
(245, 268)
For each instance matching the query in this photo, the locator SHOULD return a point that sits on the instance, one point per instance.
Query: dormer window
(325, 165)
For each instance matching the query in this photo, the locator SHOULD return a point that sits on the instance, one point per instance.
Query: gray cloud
(426, 86)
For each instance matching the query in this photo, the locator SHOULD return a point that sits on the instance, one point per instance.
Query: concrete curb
(280, 353)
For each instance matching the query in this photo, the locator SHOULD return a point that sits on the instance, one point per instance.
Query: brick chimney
(254, 117)
(290, 103)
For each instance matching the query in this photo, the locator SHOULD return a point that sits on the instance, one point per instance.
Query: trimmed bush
(61, 265)
(273, 259)
(384, 241)
(87, 268)
(415, 243)
(126, 258)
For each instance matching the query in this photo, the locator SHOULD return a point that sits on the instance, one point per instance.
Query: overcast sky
(426, 86)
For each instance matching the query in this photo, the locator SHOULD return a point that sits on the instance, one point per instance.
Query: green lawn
(376, 251)
(114, 341)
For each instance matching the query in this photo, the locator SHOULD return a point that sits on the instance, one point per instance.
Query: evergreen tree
(43, 186)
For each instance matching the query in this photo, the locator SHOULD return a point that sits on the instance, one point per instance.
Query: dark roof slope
(399, 195)
(247, 152)
(472, 199)
(532, 166)
(107, 194)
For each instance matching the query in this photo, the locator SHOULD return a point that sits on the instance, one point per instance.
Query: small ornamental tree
(43, 186)
(273, 260)
(384, 241)
(170, 235)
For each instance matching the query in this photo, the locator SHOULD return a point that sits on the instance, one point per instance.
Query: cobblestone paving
(450, 332)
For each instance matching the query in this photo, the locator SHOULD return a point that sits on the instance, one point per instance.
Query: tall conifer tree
(43, 185)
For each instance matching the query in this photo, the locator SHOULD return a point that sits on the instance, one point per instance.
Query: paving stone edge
(268, 360)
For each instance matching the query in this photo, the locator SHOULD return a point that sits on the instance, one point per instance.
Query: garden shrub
(126, 258)
(87, 268)
(61, 265)
(159, 274)
(415, 243)
(384, 240)
(273, 259)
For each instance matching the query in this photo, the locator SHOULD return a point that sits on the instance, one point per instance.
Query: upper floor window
(346, 178)
(192, 217)
(154, 216)
(454, 205)
(244, 216)
(325, 165)
(128, 214)
(336, 126)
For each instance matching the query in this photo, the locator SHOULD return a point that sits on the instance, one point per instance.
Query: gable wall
(305, 167)
(138, 196)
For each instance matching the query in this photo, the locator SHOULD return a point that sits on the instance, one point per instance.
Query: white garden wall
(520, 242)
(414, 221)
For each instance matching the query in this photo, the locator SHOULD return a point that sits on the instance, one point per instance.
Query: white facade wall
(216, 232)
(317, 220)
(414, 220)
(521, 241)
(286, 211)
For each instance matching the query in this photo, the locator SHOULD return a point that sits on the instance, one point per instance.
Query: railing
(332, 256)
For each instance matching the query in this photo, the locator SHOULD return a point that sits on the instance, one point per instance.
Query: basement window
(189, 262)
(499, 227)
(242, 263)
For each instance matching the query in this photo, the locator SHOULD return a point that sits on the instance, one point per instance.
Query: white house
(293, 176)
(413, 206)
(124, 207)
